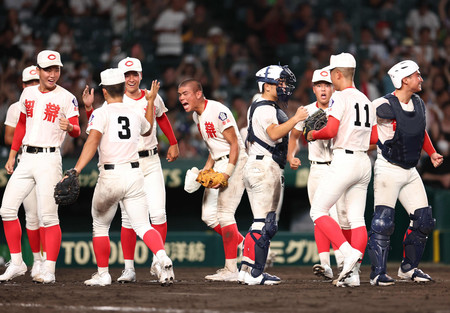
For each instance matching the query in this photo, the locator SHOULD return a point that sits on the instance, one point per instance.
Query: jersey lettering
(29, 107)
(51, 112)
(209, 129)
(358, 120)
(125, 123)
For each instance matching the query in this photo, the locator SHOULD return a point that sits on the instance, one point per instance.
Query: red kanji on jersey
(394, 125)
(51, 112)
(209, 129)
(29, 107)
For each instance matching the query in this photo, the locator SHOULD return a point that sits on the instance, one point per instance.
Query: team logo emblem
(51, 57)
(324, 73)
(330, 104)
(33, 72)
(129, 63)
(75, 103)
(222, 116)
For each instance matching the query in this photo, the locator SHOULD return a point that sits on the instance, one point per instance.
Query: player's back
(121, 129)
(356, 116)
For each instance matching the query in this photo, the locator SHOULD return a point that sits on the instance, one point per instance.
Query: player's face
(415, 81)
(132, 81)
(48, 77)
(189, 98)
(323, 92)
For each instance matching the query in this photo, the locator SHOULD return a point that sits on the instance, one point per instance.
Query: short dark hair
(191, 81)
(115, 90)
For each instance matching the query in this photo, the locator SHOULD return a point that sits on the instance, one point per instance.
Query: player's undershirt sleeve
(76, 131)
(89, 113)
(428, 145)
(329, 131)
(374, 135)
(19, 133)
(164, 124)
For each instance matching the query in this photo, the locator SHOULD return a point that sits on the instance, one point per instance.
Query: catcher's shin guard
(262, 242)
(382, 228)
(416, 237)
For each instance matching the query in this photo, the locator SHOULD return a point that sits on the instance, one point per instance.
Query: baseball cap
(401, 70)
(112, 76)
(47, 58)
(321, 75)
(130, 64)
(342, 60)
(29, 73)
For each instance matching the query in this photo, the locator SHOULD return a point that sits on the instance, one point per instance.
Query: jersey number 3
(125, 133)
(358, 120)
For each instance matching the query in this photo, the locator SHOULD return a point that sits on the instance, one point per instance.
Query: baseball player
(319, 155)
(267, 144)
(352, 125)
(227, 155)
(47, 113)
(115, 130)
(402, 136)
(149, 162)
(34, 226)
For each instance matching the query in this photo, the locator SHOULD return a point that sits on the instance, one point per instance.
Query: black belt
(223, 157)
(348, 151)
(317, 162)
(31, 149)
(112, 166)
(260, 157)
(146, 153)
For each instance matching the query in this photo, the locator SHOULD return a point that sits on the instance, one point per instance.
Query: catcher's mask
(278, 75)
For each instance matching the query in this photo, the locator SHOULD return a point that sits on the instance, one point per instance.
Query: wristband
(230, 169)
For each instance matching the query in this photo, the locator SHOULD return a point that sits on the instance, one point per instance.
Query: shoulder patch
(222, 116)
(75, 103)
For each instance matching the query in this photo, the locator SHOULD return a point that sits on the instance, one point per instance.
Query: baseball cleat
(223, 274)
(349, 264)
(97, 279)
(263, 279)
(36, 269)
(45, 278)
(13, 271)
(352, 280)
(382, 280)
(167, 276)
(155, 269)
(323, 271)
(416, 275)
(128, 276)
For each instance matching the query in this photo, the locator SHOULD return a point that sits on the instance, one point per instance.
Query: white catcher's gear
(402, 70)
(190, 183)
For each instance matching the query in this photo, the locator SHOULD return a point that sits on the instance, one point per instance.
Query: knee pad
(416, 237)
(383, 220)
(423, 221)
(378, 245)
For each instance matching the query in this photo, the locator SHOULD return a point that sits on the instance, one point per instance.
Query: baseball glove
(209, 178)
(68, 189)
(315, 121)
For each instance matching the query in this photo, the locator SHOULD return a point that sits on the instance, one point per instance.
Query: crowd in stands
(223, 44)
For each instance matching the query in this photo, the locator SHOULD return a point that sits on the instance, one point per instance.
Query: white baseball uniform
(120, 178)
(40, 165)
(149, 162)
(320, 156)
(211, 123)
(263, 177)
(32, 219)
(350, 169)
(392, 181)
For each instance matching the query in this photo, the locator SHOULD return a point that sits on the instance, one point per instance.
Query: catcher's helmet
(402, 70)
(276, 74)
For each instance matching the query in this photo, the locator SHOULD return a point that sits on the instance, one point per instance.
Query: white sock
(16, 258)
(346, 249)
(324, 258)
(50, 266)
(102, 270)
(231, 265)
(339, 257)
(36, 256)
(161, 255)
(129, 264)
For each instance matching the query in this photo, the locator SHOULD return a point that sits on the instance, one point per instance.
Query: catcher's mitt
(315, 121)
(209, 178)
(68, 189)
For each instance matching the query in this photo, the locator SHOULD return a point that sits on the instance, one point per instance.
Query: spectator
(62, 40)
(420, 17)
